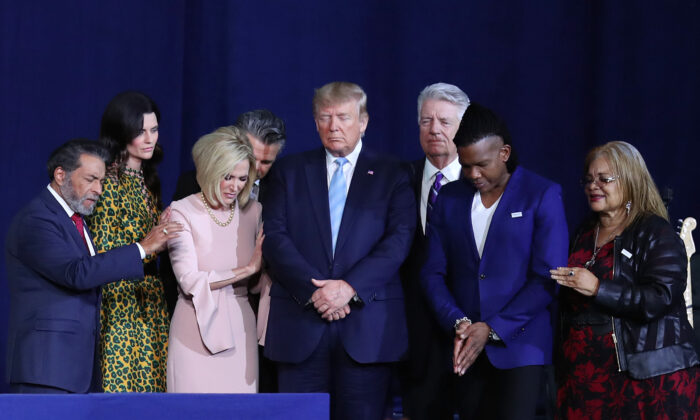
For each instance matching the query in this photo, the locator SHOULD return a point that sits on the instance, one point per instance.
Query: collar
(451, 172)
(351, 157)
(61, 201)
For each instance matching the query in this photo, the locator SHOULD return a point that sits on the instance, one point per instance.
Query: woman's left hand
(256, 260)
(577, 278)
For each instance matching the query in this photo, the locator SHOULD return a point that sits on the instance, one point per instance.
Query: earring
(628, 206)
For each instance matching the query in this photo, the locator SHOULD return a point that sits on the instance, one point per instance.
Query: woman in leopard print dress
(134, 319)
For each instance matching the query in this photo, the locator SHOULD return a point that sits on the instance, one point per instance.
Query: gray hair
(444, 92)
(67, 156)
(264, 125)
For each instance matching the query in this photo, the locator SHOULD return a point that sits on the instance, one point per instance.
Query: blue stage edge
(165, 406)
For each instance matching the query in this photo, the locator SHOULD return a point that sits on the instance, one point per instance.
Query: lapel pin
(370, 172)
(516, 214)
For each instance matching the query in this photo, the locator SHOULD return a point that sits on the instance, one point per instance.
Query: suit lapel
(467, 212)
(361, 182)
(62, 218)
(418, 167)
(317, 182)
(501, 215)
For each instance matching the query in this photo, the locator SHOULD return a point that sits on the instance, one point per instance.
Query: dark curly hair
(479, 122)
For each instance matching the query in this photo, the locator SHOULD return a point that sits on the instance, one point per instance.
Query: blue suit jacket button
(482, 276)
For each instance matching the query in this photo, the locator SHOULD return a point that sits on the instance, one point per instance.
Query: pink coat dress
(213, 337)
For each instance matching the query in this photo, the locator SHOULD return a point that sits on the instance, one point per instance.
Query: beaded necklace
(211, 213)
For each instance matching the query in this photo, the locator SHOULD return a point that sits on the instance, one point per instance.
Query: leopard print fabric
(134, 318)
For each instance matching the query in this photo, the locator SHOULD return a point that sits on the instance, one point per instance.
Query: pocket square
(516, 214)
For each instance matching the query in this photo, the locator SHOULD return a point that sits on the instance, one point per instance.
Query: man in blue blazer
(493, 238)
(54, 276)
(338, 224)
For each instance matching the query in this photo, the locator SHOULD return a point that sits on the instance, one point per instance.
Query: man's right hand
(155, 241)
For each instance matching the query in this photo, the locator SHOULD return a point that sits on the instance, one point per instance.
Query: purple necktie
(432, 196)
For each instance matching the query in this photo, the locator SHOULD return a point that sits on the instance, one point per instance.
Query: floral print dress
(589, 384)
(134, 318)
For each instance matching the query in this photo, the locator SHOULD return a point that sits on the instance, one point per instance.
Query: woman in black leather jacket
(626, 342)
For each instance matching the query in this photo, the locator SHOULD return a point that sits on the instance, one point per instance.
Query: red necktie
(79, 224)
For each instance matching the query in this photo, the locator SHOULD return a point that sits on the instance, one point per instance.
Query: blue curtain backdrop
(565, 75)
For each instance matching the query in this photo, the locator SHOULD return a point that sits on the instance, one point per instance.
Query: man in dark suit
(266, 134)
(338, 223)
(492, 240)
(54, 276)
(427, 381)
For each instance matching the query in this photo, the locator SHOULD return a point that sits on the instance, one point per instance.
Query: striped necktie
(432, 196)
(337, 192)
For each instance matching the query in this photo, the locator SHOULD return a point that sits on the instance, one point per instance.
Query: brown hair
(339, 92)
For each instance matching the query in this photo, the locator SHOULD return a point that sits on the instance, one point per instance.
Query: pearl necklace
(596, 248)
(211, 213)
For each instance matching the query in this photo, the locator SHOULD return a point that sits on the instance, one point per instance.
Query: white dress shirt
(451, 173)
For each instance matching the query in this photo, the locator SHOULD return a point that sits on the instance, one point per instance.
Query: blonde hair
(635, 181)
(215, 155)
(339, 92)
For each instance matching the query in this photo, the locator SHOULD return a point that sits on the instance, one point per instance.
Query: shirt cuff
(141, 251)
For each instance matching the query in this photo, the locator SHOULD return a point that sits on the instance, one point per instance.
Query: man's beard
(75, 202)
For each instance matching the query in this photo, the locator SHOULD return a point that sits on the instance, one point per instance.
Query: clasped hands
(470, 340)
(331, 298)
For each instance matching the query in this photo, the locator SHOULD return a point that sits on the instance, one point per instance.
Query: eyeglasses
(600, 181)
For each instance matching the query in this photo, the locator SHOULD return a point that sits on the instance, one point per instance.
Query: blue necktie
(337, 192)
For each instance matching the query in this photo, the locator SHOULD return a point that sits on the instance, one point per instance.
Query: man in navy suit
(428, 378)
(493, 237)
(54, 276)
(338, 223)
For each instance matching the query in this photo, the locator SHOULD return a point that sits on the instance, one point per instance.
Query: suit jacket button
(482, 276)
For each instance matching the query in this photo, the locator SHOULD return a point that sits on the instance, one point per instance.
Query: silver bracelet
(460, 320)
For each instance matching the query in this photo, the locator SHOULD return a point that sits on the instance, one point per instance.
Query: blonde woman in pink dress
(213, 338)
